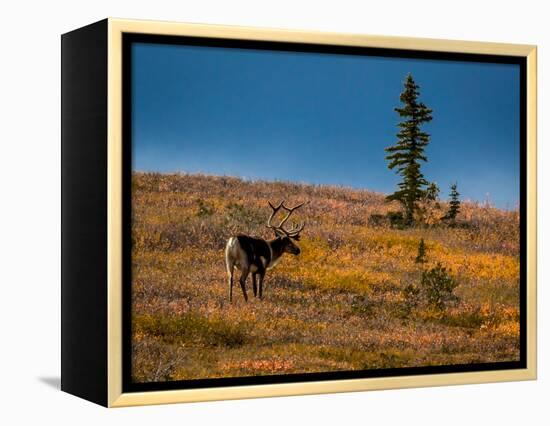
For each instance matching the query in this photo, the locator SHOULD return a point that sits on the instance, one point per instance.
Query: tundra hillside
(351, 300)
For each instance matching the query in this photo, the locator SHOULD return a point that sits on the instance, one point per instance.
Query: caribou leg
(254, 287)
(242, 280)
(230, 274)
(261, 284)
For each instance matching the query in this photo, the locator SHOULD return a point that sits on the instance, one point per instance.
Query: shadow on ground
(53, 382)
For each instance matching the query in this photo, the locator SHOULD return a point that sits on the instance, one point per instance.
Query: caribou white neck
(276, 250)
(273, 263)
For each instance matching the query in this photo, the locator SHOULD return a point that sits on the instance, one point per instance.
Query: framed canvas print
(254, 212)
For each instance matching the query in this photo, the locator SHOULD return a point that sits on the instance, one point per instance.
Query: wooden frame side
(532, 212)
(116, 397)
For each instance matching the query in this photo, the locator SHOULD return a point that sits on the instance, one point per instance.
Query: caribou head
(286, 236)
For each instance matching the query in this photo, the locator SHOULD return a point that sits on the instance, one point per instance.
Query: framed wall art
(254, 212)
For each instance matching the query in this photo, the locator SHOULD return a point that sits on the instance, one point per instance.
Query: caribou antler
(294, 232)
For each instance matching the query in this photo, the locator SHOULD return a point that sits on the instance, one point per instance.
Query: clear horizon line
(342, 186)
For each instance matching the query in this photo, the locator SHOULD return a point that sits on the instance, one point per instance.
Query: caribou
(256, 255)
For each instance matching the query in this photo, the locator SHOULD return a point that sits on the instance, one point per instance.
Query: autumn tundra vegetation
(360, 295)
(374, 280)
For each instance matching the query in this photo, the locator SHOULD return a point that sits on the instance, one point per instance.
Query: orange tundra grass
(336, 306)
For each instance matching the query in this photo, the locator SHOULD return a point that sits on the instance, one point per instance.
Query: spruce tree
(406, 154)
(421, 255)
(454, 203)
(432, 192)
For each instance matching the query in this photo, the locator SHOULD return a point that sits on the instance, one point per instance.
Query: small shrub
(362, 305)
(243, 217)
(204, 208)
(471, 318)
(411, 299)
(421, 256)
(438, 286)
(397, 220)
(377, 220)
(428, 214)
(192, 329)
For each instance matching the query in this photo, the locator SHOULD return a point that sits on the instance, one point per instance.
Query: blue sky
(322, 118)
